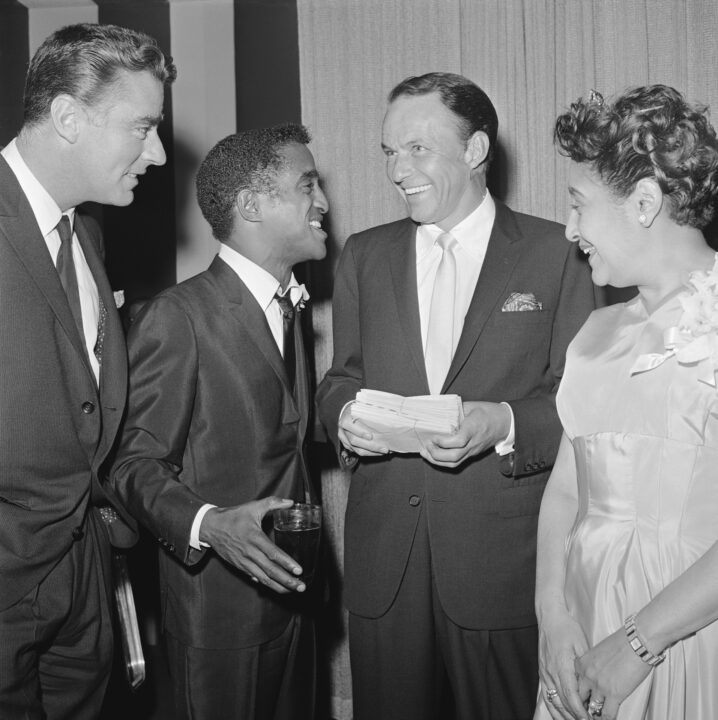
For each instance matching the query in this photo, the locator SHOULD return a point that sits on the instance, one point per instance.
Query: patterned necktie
(440, 341)
(288, 315)
(66, 270)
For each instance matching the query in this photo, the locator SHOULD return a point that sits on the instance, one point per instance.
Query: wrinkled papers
(404, 424)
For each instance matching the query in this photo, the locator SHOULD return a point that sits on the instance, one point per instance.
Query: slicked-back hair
(647, 132)
(472, 107)
(84, 60)
(248, 160)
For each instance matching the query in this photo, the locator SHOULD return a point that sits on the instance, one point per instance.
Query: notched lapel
(502, 254)
(23, 234)
(402, 265)
(246, 311)
(113, 372)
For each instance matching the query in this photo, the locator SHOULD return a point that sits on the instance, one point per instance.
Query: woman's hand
(561, 641)
(609, 673)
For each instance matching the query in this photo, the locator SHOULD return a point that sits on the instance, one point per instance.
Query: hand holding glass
(296, 531)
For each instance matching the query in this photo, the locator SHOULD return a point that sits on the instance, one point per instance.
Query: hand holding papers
(404, 424)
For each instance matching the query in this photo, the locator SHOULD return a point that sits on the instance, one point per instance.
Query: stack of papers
(404, 424)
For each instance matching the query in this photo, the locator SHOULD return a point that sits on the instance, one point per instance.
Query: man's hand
(357, 437)
(235, 534)
(485, 424)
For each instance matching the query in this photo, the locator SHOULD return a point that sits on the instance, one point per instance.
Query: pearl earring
(642, 219)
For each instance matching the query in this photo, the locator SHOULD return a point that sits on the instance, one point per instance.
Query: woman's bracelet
(637, 644)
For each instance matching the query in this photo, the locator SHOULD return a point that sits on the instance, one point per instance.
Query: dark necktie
(288, 315)
(66, 270)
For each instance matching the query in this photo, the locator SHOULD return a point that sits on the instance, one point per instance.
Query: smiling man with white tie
(465, 297)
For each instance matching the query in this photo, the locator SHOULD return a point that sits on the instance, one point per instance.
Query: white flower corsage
(694, 341)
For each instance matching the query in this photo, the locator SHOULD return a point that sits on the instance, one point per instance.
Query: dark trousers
(414, 663)
(56, 642)
(272, 681)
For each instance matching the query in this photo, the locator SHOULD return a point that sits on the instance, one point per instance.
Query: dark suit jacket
(211, 419)
(56, 427)
(481, 516)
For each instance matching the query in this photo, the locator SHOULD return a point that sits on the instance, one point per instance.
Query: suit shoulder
(183, 295)
(540, 227)
(387, 232)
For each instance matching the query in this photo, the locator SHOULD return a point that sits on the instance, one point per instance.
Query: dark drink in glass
(296, 531)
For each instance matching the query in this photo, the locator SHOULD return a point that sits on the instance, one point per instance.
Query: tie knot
(446, 241)
(64, 230)
(285, 303)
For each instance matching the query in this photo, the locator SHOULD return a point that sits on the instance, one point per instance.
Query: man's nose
(154, 152)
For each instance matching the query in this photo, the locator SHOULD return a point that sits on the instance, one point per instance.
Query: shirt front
(48, 215)
(472, 235)
(264, 286)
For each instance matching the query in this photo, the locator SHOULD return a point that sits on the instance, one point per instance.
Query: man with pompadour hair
(93, 101)
(215, 434)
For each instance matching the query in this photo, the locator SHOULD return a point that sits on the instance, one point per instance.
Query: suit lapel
(18, 223)
(113, 371)
(402, 265)
(247, 312)
(502, 254)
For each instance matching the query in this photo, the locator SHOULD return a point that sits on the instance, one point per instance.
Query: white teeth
(315, 224)
(417, 189)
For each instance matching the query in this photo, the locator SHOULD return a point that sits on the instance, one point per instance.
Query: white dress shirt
(472, 236)
(48, 214)
(263, 287)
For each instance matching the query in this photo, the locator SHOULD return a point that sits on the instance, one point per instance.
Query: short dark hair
(471, 105)
(647, 132)
(83, 60)
(248, 160)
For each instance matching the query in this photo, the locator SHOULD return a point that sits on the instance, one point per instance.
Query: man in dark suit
(215, 435)
(440, 547)
(93, 99)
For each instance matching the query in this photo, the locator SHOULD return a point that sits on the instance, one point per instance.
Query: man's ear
(66, 116)
(477, 149)
(646, 201)
(249, 205)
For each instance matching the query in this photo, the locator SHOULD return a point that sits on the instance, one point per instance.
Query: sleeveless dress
(643, 421)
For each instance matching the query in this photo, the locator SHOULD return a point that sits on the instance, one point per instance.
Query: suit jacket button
(78, 533)
(171, 548)
(88, 408)
(414, 500)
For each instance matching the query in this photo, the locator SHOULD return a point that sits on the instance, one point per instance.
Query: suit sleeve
(538, 428)
(345, 377)
(163, 361)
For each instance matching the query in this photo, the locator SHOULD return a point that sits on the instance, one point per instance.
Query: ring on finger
(551, 695)
(595, 708)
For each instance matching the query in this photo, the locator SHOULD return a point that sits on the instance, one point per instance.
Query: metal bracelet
(637, 644)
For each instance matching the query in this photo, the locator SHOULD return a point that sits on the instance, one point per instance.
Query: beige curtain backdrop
(533, 57)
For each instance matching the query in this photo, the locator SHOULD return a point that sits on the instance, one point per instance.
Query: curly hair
(647, 132)
(471, 105)
(84, 60)
(248, 160)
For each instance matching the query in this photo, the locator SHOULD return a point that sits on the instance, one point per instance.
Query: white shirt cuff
(506, 446)
(194, 541)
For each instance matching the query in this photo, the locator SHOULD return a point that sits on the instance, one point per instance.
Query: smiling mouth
(416, 189)
(587, 249)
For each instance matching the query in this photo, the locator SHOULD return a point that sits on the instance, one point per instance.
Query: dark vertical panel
(266, 62)
(140, 239)
(14, 56)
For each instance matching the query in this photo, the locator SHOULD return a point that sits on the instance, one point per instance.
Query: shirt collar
(261, 284)
(46, 210)
(471, 233)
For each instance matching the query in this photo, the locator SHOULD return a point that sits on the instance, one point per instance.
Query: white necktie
(440, 340)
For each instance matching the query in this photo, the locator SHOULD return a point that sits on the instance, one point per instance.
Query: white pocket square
(521, 302)
(119, 298)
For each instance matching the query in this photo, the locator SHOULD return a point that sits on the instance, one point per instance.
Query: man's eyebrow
(150, 119)
(309, 175)
(575, 192)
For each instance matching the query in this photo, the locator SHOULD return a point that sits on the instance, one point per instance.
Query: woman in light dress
(627, 577)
